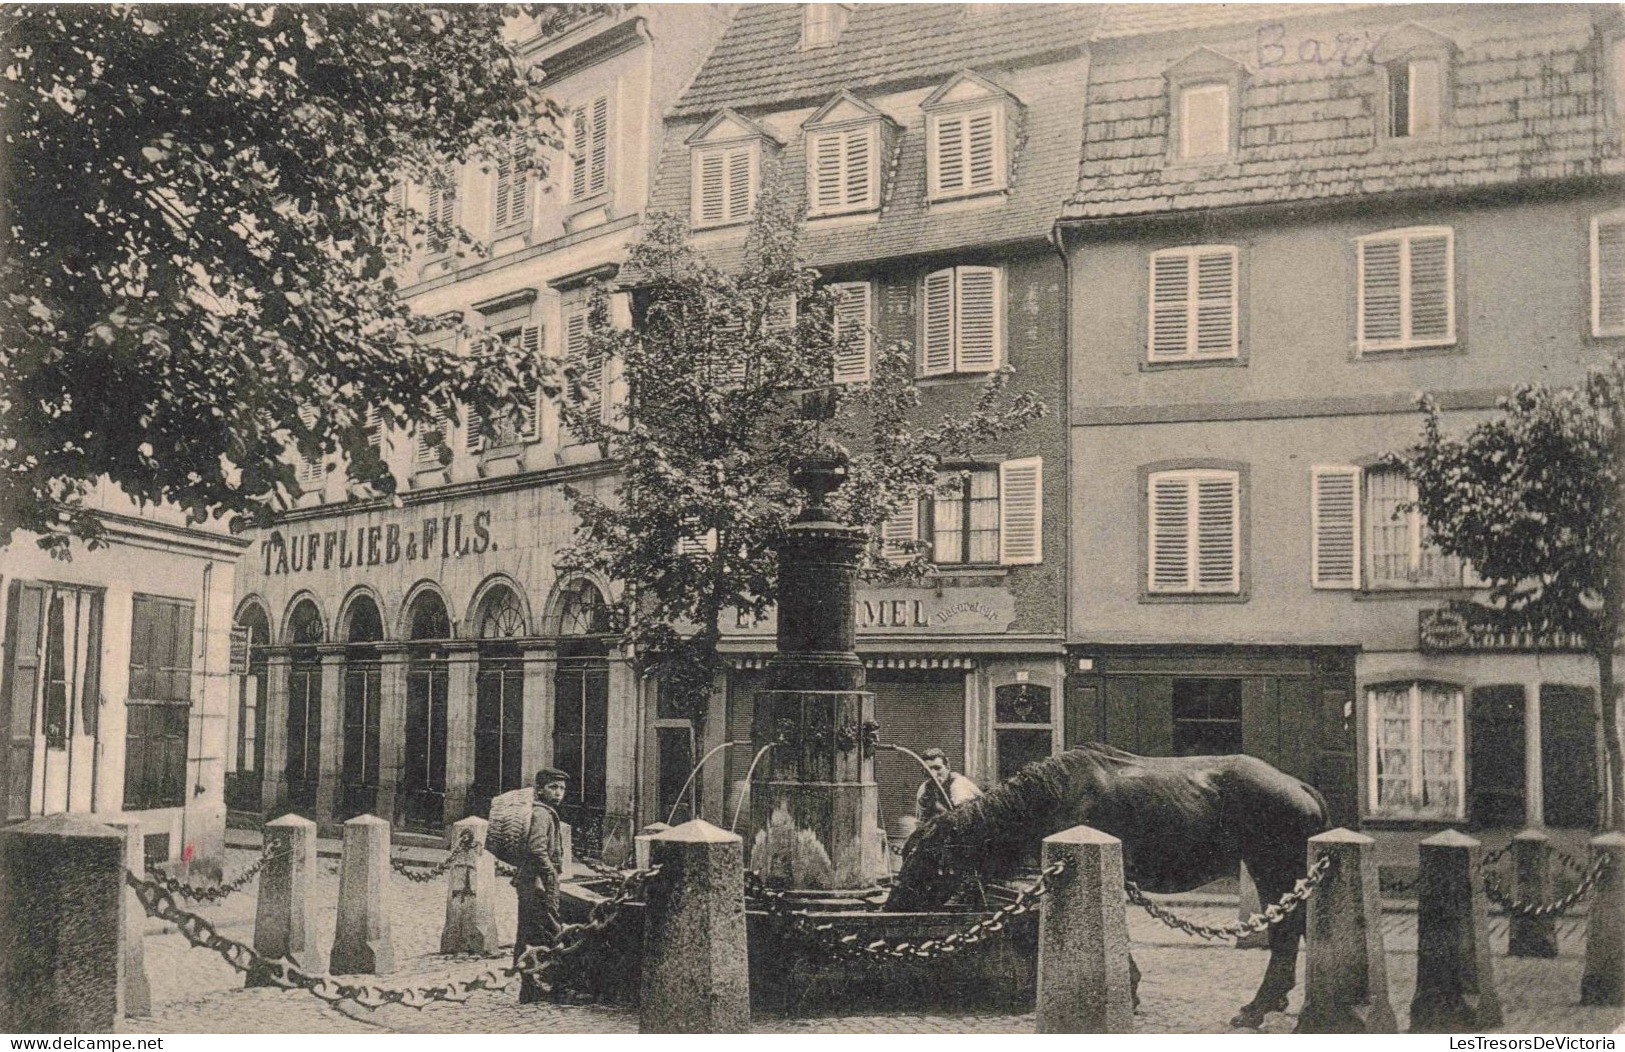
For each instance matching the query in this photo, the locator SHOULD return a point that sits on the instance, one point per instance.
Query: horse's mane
(1015, 809)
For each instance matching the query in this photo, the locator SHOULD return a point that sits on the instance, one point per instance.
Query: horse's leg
(1280, 975)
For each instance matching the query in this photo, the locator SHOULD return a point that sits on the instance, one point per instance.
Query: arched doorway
(248, 760)
(358, 777)
(304, 766)
(499, 700)
(423, 781)
(581, 711)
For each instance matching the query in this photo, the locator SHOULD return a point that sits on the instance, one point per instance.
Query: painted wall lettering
(443, 537)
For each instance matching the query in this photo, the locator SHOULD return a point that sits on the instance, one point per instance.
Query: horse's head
(932, 870)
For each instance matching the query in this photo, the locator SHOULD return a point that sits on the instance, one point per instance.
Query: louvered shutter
(1215, 303)
(980, 329)
(740, 183)
(1170, 306)
(859, 175)
(474, 431)
(431, 437)
(781, 315)
(691, 545)
(512, 194)
(1381, 291)
(710, 189)
(828, 189)
(394, 223)
(442, 204)
(309, 474)
(853, 312)
(1170, 522)
(1217, 534)
(589, 147)
(900, 530)
(1608, 276)
(1335, 527)
(580, 140)
(949, 148)
(937, 343)
(591, 365)
(527, 416)
(375, 428)
(598, 169)
(981, 150)
(1430, 313)
(1021, 511)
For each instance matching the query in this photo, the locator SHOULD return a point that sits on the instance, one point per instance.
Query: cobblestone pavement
(1188, 986)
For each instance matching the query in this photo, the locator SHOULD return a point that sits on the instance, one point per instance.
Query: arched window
(358, 777)
(305, 631)
(499, 699)
(423, 781)
(248, 746)
(581, 710)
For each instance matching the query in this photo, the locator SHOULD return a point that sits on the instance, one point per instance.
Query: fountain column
(814, 799)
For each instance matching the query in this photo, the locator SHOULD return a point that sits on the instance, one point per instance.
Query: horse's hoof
(1248, 1018)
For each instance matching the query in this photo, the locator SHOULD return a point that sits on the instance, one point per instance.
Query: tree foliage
(1532, 499)
(718, 368)
(199, 227)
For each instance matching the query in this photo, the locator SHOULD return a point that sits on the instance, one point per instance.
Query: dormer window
(1204, 101)
(821, 24)
(1416, 75)
(967, 132)
(726, 170)
(846, 141)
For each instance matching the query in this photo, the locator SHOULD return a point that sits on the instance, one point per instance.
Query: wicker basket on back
(510, 826)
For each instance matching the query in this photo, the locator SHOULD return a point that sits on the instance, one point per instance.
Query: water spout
(693, 804)
(928, 775)
(745, 793)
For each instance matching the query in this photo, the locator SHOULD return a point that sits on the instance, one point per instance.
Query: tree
(718, 369)
(200, 206)
(1532, 500)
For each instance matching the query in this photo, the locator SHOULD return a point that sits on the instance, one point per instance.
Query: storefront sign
(239, 650)
(917, 611)
(1447, 629)
(440, 537)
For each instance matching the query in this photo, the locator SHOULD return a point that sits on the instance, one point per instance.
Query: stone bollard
(137, 991)
(1083, 967)
(1531, 882)
(361, 944)
(640, 843)
(284, 922)
(695, 972)
(1604, 982)
(1247, 905)
(470, 892)
(62, 926)
(1455, 977)
(1346, 977)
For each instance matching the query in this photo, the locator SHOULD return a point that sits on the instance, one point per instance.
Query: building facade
(415, 657)
(114, 678)
(1289, 222)
(931, 146)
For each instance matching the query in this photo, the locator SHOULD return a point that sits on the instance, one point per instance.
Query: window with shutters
(442, 214)
(375, 429)
(1194, 298)
(981, 516)
(900, 533)
(1415, 98)
(309, 472)
(965, 152)
(843, 170)
(1399, 552)
(854, 331)
(594, 373)
(158, 707)
(1205, 113)
(1608, 275)
(1416, 750)
(510, 206)
(1406, 297)
(724, 184)
(1194, 537)
(432, 439)
(962, 321)
(589, 149)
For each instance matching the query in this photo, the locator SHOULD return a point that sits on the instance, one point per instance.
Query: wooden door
(1496, 757)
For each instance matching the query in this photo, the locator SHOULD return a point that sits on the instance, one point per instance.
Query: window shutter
(1216, 304)
(1021, 511)
(589, 148)
(710, 192)
(981, 150)
(900, 530)
(859, 160)
(1381, 318)
(948, 147)
(530, 341)
(375, 428)
(474, 431)
(937, 344)
(1335, 527)
(828, 189)
(1170, 498)
(1170, 306)
(740, 178)
(519, 201)
(579, 147)
(598, 168)
(502, 203)
(1217, 523)
(853, 311)
(979, 322)
(1608, 276)
(431, 437)
(442, 204)
(693, 545)
(591, 365)
(1430, 288)
(309, 473)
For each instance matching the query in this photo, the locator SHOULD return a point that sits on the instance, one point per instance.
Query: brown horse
(1184, 821)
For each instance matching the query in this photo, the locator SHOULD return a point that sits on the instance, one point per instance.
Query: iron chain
(218, 892)
(1273, 914)
(535, 960)
(465, 846)
(825, 936)
(1494, 892)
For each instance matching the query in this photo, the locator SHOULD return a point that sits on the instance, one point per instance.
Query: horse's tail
(1325, 822)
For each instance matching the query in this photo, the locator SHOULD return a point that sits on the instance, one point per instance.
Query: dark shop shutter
(919, 710)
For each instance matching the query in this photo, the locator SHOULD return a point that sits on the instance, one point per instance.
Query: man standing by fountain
(945, 788)
(537, 879)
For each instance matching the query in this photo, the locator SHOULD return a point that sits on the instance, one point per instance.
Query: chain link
(535, 960)
(1273, 914)
(419, 875)
(214, 893)
(847, 946)
(1494, 892)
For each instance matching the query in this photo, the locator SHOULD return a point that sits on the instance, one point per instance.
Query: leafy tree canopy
(717, 373)
(199, 225)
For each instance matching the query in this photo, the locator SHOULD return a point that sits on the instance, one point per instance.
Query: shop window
(1023, 727)
(304, 723)
(1207, 717)
(1415, 759)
